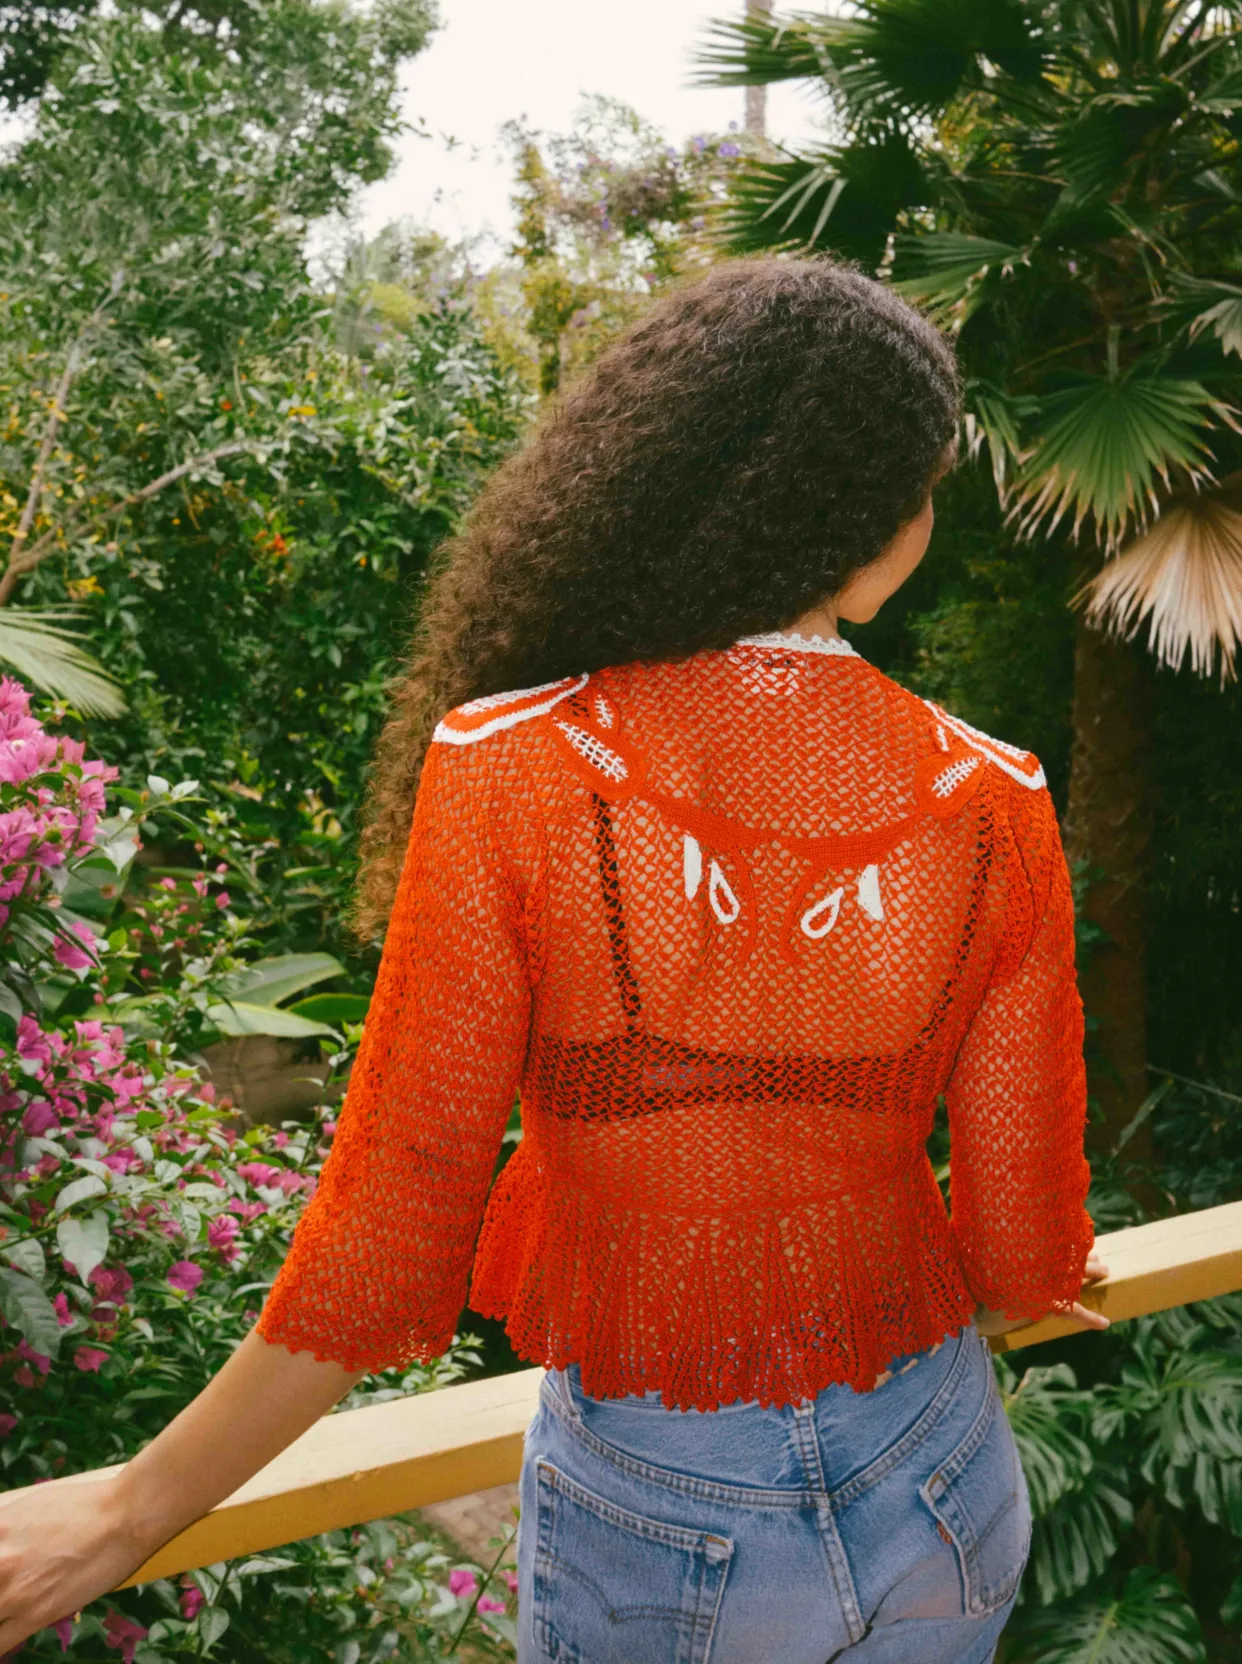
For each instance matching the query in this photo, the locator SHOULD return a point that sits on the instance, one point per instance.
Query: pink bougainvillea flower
(222, 900)
(191, 1602)
(40, 1119)
(260, 1173)
(7, 1424)
(89, 1359)
(61, 1307)
(77, 955)
(488, 1604)
(33, 1046)
(222, 1236)
(112, 1283)
(185, 1276)
(462, 1582)
(63, 1628)
(511, 1580)
(122, 1635)
(28, 1355)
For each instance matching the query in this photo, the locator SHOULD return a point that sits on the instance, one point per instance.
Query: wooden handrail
(411, 1452)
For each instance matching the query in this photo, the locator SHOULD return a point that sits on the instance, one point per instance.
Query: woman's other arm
(62, 1546)
(1018, 1101)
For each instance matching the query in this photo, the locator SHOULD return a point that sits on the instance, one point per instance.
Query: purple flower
(123, 1635)
(730, 150)
(185, 1276)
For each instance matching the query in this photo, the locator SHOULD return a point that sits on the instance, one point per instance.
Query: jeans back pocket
(982, 1509)
(613, 1587)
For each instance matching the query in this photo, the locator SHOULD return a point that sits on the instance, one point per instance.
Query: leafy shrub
(139, 1226)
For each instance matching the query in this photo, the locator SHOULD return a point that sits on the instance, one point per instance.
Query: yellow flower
(80, 588)
(301, 410)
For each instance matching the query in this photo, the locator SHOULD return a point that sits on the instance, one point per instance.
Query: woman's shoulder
(496, 713)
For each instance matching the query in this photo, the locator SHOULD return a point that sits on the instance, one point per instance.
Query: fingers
(1095, 1268)
(1088, 1319)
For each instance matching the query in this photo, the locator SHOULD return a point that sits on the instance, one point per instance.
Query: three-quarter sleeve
(379, 1267)
(1017, 1098)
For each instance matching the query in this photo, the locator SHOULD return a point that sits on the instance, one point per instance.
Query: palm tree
(1058, 181)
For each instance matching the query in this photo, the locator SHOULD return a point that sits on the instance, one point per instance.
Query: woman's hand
(61, 1547)
(64, 1544)
(993, 1323)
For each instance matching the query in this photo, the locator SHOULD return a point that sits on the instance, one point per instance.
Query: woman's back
(731, 923)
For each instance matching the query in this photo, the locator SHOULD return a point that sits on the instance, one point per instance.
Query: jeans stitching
(922, 1429)
(553, 1390)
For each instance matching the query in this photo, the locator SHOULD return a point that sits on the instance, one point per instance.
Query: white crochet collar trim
(834, 646)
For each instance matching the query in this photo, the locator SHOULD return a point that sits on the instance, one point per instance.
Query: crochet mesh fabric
(728, 925)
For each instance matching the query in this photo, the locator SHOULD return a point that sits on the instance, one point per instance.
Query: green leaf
(24, 1304)
(1148, 1621)
(27, 1256)
(43, 651)
(1076, 1540)
(1045, 1412)
(81, 1190)
(211, 1624)
(240, 1017)
(271, 981)
(943, 269)
(1101, 442)
(84, 1242)
(333, 1008)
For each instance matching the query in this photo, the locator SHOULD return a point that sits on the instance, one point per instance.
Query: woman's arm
(62, 1546)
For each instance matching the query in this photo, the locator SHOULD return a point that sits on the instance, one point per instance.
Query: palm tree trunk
(757, 11)
(1108, 827)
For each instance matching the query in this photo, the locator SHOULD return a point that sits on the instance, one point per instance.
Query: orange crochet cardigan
(729, 926)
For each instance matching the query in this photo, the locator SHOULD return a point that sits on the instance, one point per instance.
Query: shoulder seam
(448, 734)
(1006, 757)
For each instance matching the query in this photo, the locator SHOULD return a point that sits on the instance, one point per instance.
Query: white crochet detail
(725, 904)
(832, 645)
(603, 711)
(831, 905)
(594, 750)
(691, 865)
(951, 777)
(447, 734)
(869, 893)
(1006, 757)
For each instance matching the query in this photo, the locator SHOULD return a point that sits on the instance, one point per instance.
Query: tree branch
(23, 560)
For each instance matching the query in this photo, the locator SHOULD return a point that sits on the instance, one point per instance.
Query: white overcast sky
(496, 59)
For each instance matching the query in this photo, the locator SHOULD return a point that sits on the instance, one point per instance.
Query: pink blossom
(112, 1283)
(123, 1635)
(260, 1173)
(40, 1119)
(27, 1354)
(222, 900)
(488, 1604)
(64, 1632)
(280, 1139)
(191, 1602)
(247, 1212)
(61, 1307)
(222, 1236)
(32, 1044)
(462, 1582)
(79, 955)
(88, 1359)
(510, 1578)
(185, 1276)
(7, 1424)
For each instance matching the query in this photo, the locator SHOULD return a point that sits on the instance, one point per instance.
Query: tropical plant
(1056, 181)
(139, 1223)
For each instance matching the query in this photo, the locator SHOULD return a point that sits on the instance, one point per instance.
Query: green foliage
(1147, 1622)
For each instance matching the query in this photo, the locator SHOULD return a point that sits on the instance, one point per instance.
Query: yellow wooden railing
(411, 1452)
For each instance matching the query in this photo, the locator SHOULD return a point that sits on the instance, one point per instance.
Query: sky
(497, 59)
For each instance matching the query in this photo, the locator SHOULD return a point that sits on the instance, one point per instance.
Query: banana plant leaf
(270, 982)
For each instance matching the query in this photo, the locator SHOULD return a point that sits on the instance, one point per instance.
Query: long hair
(727, 464)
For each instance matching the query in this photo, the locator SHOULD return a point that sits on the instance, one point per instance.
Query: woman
(730, 910)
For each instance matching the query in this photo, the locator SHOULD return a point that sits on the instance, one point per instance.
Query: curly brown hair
(727, 464)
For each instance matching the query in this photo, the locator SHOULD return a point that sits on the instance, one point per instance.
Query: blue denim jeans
(888, 1527)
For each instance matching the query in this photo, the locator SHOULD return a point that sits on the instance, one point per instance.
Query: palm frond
(1100, 445)
(996, 418)
(844, 199)
(751, 51)
(916, 55)
(945, 271)
(1183, 578)
(1201, 303)
(44, 652)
